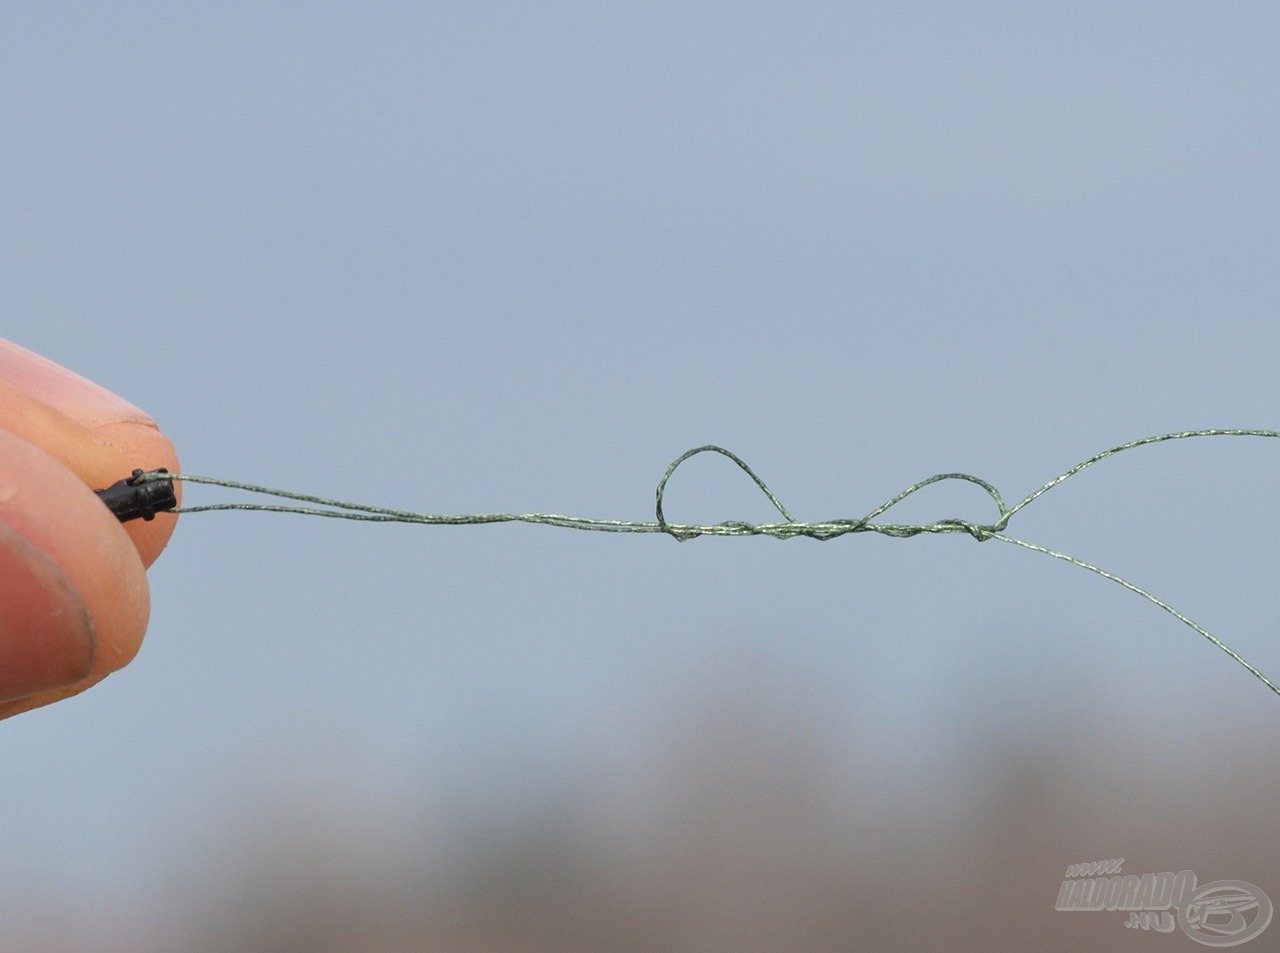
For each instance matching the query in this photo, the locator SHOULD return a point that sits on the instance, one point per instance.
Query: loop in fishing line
(144, 494)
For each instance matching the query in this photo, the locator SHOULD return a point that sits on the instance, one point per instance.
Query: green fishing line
(787, 528)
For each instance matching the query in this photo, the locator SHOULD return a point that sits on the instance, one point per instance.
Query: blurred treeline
(742, 829)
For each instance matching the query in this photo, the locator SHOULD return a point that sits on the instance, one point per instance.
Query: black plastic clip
(132, 497)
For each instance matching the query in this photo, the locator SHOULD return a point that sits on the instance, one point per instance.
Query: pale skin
(74, 601)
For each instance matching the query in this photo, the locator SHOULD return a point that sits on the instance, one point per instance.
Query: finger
(46, 635)
(97, 435)
(73, 590)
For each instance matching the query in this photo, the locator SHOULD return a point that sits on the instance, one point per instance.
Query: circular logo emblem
(1225, 913)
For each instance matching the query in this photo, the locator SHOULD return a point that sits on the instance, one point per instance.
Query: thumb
(73, 592)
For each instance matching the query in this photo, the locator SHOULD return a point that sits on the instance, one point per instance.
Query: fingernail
(46, 636)
(66, 391)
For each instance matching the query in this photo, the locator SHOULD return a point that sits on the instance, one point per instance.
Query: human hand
(74, 601)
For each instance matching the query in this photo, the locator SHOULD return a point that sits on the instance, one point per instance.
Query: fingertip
(96, 434)
(71, 569)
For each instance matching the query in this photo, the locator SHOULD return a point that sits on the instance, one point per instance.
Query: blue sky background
(488, 257)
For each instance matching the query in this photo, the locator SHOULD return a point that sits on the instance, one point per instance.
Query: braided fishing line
(137, 496)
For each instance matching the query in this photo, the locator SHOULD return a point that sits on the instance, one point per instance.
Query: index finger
(94, 433)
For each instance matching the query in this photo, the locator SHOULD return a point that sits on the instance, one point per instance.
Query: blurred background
(477, 257)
